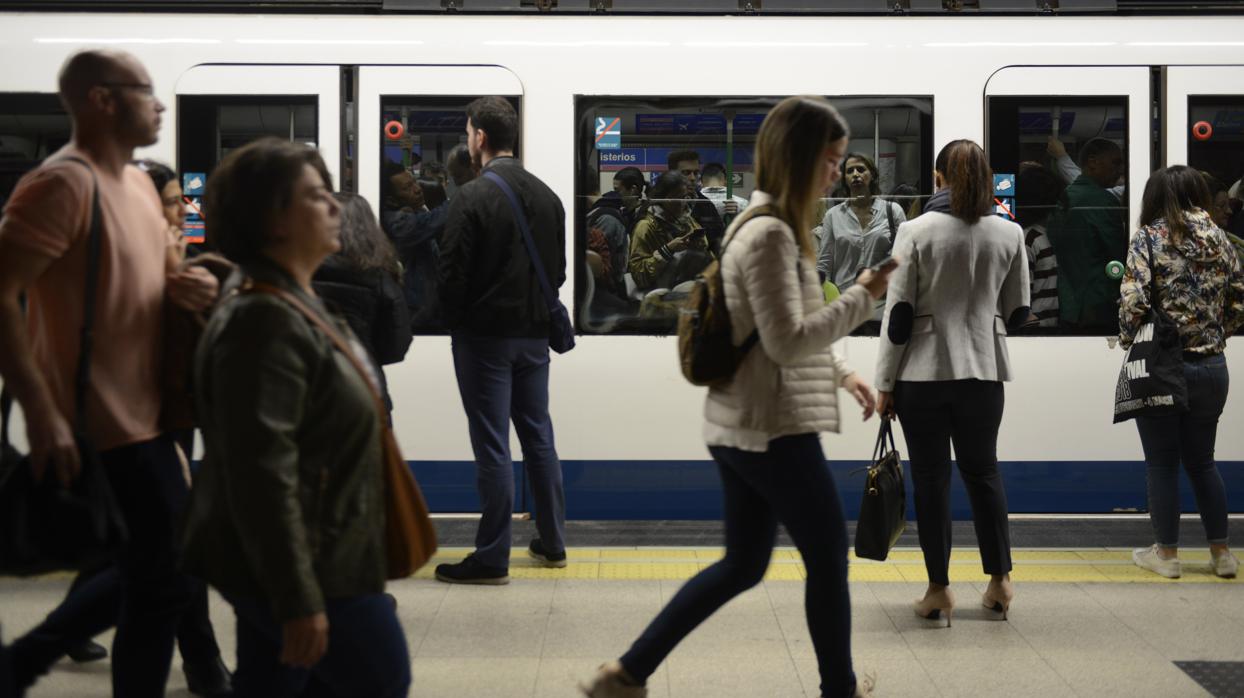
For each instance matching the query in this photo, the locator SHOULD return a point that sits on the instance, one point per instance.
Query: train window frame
(585, 152)
(187, 103)
(1014, 102)
(30, 104)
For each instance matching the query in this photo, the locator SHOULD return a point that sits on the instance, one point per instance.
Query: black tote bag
(45, 527)
(883, 510)
(1151, 381)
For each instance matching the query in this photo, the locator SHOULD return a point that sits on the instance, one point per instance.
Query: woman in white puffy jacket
(763, 426)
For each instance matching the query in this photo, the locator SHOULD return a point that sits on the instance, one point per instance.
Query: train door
(223, 107)
(1071, 149)
(1205, 129)
(411, 119)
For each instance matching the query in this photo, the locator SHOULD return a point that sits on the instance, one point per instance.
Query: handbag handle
(884, 434)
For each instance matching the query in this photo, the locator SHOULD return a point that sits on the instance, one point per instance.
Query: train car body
(628, 426)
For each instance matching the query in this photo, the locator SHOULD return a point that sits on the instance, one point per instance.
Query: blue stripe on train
(689, 489)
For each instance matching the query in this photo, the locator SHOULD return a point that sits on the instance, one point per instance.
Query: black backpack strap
(889, 216)
(87, 342)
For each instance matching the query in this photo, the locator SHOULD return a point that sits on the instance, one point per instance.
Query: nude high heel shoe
(612, 681)
(935, 605)
(999, 605)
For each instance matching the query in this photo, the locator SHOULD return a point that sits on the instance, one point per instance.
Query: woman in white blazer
(943, 359)
(763, 426)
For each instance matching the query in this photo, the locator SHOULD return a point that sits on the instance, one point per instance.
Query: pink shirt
(49, 214)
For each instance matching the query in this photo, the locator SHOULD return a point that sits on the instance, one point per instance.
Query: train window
(651, 169)
(32, 127)
(1216, 147)
(419, 172)
(1068, 157)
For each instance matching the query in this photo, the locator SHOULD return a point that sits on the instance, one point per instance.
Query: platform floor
(1084, 623)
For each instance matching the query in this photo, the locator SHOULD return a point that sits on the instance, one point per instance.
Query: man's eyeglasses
(142, 88)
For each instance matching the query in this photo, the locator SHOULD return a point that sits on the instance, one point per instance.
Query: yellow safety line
(1089, 565)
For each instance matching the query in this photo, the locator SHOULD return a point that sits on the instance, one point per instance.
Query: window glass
(661, 178)
(1216, 147)
(32, 127)
(423, 144)
(209, 127)
(1066, 159)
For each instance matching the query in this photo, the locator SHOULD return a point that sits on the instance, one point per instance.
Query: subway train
(596, 94)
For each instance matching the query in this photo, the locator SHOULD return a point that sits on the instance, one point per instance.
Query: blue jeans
(504, 379)
(1188, 438)
(151, 491)
(788, 484)
(366, 658)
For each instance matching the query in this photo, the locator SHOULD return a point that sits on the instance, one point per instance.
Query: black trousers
(967, 413)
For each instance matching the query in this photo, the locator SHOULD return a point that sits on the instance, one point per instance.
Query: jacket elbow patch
(1018, 318)
(901, 318)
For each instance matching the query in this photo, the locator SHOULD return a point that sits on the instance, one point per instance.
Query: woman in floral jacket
(1200, 285)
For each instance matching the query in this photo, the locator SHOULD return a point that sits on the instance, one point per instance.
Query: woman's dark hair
(159, 173)
(433, 193)
(633, 178)
(364, 245)
(966, 170)
(670, 185)
(874, 183)
(249, 189)
(496, 117)
(1036, 195)
(1169, 194)
(1213, 184)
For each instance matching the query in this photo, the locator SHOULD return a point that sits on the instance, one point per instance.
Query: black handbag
(883, 510)
(561, 330)
(45, 527)
(1151, 381)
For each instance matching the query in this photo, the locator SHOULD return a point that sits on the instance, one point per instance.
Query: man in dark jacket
(414, 230)
(701, 208)
(494, 307)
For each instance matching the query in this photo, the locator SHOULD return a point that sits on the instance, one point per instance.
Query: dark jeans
(788, 484)
(195, 637)
(504, 379)
(1188, 438)
(366, 658)
(151, 491)
(935, 414)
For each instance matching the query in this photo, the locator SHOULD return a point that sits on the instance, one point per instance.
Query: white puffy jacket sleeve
(775, 282)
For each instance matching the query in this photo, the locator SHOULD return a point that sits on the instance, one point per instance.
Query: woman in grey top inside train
(943, 359)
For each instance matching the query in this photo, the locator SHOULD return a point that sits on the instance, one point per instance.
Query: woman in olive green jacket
(287, 514)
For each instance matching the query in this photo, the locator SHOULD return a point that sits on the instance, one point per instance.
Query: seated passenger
(1036, 197)
(632, 185)
(363, 280)
(285, 518)
(859, 232)
(607, 217)
(1089, 230)
(668, 247)
(687, 164)
(713, 179)
(415, 232)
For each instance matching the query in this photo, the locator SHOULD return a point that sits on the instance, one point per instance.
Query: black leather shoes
(89, 651)
(209, 679)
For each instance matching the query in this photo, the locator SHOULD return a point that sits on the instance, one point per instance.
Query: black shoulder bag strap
(550, 296)
(87, 343)
(83, 377)
(889, 217)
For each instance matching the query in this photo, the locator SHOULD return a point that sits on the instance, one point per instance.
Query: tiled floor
(538, 636)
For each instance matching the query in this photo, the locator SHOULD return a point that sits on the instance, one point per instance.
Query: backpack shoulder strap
(87, 337)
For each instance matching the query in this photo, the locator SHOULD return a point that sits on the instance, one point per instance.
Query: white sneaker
(1226, 565)
(1148, 559)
